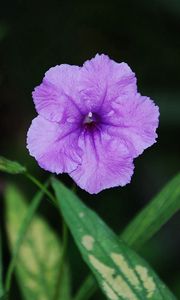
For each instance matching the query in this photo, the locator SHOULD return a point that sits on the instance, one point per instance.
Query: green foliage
(145, 224)
(39, 253)
(164, 205)
(11, 167)
(3, 30)
(1, 269)
(120, 272)
(4, 297)
(31, 210)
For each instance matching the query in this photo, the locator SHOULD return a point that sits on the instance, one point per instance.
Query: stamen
(90, 114)
(89, 118)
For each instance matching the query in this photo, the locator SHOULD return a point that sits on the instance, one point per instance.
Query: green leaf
(31, 210)
(4, 297)
(11, 167)
(120, 272)
(154, 215)
(144, 225)
(39, 254)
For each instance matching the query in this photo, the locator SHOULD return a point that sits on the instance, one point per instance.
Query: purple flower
(92, 123)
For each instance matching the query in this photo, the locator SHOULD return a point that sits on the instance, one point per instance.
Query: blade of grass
(158, 211)
(162, 207)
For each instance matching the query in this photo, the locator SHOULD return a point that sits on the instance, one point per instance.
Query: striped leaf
(39, 254)
(120, 272)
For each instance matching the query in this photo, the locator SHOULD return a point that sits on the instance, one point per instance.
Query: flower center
(89, 118)
(90, 121)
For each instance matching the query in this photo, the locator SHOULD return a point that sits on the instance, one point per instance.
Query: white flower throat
(89, 118)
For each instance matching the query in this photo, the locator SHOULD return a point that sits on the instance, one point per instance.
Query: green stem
(87, 289)
(62, 262)
(42, 187)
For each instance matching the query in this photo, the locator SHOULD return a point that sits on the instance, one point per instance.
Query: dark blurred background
(35, 35)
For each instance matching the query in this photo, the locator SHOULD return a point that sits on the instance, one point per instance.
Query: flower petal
(105, 163)
(57, 96)
(103, 80)
(134, 119)
(53, 145)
